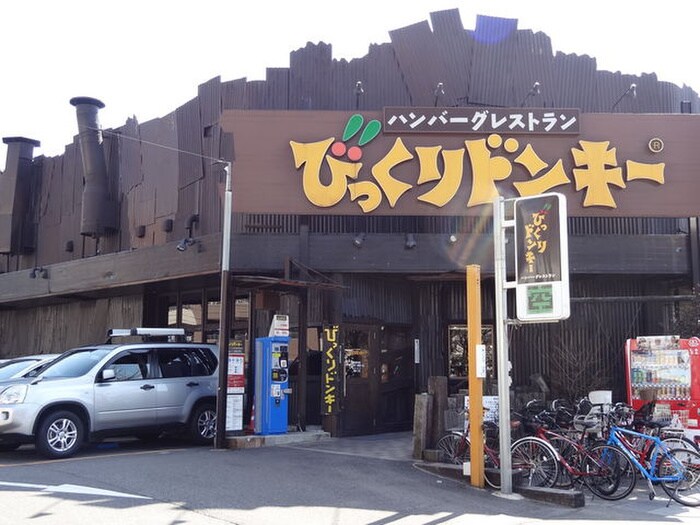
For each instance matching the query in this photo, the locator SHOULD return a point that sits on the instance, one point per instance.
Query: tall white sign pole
(502, 362)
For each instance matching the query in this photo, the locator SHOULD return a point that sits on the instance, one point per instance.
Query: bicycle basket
(662, 414)
(455, 419)
(591, 422)
(622, 415)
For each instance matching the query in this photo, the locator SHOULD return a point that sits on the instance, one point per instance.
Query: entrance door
(396, 390)
(360, 348)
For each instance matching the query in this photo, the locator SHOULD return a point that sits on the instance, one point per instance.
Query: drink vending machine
(666, 370)
(271, 384)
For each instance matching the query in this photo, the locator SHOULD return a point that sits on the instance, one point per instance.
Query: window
(185, 362)
(131, 366)
(74, 364)
(457, 345)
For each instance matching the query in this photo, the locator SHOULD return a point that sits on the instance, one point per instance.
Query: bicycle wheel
(608, 472)
(679, 442)
(569, 462)
(492, 474)
(684, 465)
(454, 448)
(536, 460)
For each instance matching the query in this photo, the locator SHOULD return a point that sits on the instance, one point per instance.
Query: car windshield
(10, 369)
(74, 364)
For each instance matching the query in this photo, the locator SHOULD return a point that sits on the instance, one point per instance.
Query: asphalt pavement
(361, 480)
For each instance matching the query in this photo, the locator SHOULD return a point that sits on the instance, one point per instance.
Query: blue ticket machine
(271, 384)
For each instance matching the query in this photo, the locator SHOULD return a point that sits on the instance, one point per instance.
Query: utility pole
(224, 314)
(502, 363)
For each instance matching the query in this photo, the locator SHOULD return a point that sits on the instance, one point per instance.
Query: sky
(145, 58)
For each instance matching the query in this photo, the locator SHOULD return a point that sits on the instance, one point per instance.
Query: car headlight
(13, 394)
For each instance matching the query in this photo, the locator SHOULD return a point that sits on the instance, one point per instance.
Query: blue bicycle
(677, 470)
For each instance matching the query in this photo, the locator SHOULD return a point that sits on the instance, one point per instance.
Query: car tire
(203, 424)
(60, 434)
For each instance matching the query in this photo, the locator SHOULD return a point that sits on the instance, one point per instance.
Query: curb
(255, 441)
(568, 498)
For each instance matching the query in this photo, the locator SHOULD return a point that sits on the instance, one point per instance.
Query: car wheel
(60, 434)
(203, 424)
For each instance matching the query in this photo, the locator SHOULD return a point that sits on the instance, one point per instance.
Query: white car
(20, 366)
(127, 389)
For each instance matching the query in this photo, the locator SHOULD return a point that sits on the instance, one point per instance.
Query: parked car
(19, 366)
(133, 388)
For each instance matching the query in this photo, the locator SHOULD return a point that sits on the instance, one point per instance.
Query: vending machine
(666, 370)
(271, 384)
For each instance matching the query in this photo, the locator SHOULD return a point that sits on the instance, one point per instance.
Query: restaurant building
(361, 191)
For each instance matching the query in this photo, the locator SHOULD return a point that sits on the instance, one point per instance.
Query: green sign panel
(540, 299)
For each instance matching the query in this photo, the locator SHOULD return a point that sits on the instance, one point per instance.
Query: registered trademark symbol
(656, 145)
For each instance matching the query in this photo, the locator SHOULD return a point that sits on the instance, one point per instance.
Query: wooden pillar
(475, 383)
(303, 359)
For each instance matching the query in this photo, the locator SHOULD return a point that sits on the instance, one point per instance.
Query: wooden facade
(168, 182)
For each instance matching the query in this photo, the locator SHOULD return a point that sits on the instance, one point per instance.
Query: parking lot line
(83, 458)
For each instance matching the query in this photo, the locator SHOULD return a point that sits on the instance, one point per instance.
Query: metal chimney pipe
(15, 227)
(93, 221)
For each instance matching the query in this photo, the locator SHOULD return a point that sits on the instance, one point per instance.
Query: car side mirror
(108, 373)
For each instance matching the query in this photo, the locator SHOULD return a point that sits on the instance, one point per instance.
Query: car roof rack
(148, 334)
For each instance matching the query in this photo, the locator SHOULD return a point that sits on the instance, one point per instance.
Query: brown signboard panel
(344, 163)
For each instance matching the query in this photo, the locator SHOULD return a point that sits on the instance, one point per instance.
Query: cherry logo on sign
(694, 342)
(338, 149)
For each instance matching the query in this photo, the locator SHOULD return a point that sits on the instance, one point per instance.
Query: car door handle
(147, 387)
(192, 383)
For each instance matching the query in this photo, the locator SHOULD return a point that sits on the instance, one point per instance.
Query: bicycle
(579, 461)
(677, 470)
(532, 457)
(455, 446)
(644, 423)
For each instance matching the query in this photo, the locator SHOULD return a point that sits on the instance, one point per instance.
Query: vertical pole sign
(331, 369)
(542, 258)
(235, 386)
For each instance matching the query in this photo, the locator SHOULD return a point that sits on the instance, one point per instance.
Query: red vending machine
(666, 369)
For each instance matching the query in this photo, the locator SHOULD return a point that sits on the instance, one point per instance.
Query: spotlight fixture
(534, 90)
(452, 238)
(629, 92)
(410, 241)
(358, 240)
(359, 91)
(185, 243)
(439, 92)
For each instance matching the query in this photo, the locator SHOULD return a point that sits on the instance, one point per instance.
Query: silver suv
(131, 389)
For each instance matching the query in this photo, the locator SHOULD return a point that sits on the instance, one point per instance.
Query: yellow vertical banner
(476, 414)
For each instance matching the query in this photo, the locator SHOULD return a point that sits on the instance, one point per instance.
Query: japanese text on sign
(538, 240)
(442, 171)
(480, 120)
(330, 376)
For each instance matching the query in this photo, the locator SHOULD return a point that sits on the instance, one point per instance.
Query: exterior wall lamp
(358, 240)
(39, 272)
(410, 241)
(630, 92)
(534, 90)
